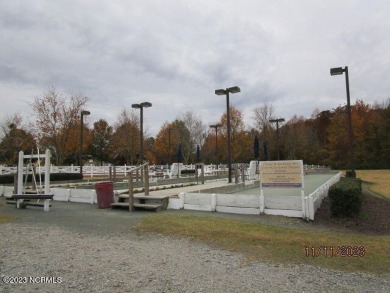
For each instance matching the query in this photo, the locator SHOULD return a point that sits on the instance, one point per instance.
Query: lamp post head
(215, 125)
(337, 71)
(233, 90)
(85, 113)
(220, 92)
(142, 105)
(146, 104)
(276, 120)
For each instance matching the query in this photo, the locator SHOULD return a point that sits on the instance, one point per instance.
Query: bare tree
(197, 131)
(261, 117)
(57, 115)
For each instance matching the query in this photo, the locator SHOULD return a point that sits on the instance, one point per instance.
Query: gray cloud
(176, 53)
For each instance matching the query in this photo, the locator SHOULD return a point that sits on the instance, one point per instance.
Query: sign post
(281, 174)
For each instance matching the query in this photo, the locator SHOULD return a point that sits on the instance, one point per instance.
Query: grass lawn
(287, 245)
(380, 180)
(6, 219)
(273, 244)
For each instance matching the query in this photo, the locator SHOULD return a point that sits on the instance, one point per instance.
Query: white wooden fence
(314, 200)
(62, 194)
(92, 170)
(290, 206)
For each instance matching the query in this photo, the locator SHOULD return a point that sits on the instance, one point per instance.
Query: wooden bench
(23, 200)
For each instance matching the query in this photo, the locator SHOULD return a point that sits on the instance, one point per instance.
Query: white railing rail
(314, 200)
(314, 167)
(92, 170)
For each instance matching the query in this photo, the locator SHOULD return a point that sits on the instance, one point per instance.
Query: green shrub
(9, 178)
(346, 197)
(65, 176)
(350, 173)
(186, 171)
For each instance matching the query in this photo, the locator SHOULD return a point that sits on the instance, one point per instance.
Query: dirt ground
(374, 218)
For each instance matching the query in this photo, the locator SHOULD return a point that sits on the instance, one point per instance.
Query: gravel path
(94, 250)
(133, 262)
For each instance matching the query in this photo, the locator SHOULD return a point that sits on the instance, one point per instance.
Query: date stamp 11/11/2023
(334, 251)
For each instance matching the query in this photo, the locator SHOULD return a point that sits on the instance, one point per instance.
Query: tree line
(320, 139)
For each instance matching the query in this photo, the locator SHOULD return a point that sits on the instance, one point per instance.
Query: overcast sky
(174, 54)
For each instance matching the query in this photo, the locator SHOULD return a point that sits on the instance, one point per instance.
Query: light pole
(277, 131)
(141, 106)
(83, 113)
(338, 71)
(215, 126)
(221, 92)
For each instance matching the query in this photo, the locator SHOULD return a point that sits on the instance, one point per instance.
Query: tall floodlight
(339, 71)
(277, 132)
(141, 106)
(83, 113)
(221, 92)
(216, 126)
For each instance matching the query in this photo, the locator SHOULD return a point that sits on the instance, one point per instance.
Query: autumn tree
(369, 130)
(369, 137)
(208, 147)
(240, 140)
(299, 140)
(57, 120)
(168, 140)
(212, 148)
(149, 146)
(125, 146)
(384, 135)
(15, 138)
(10, 121)
(101, 140)
(321, 121)
(165, 139)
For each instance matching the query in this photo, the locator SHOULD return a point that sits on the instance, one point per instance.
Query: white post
(46, 205)
(213, 202)
(261, 201)
(125, 171)
(47, 171)
(20, 173)
(181, 197)
(93, 196)
(311, 208)
(303, 196)
(19, 189)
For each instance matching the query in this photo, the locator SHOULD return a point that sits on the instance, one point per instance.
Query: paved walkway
(175, 191)
(311, 183)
